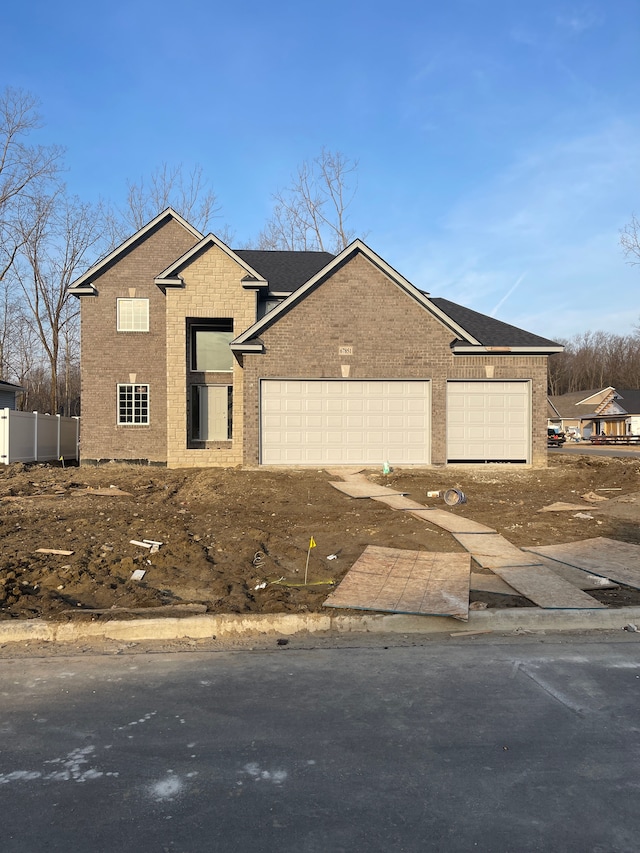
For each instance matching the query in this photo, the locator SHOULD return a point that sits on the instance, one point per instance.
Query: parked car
(555, 438)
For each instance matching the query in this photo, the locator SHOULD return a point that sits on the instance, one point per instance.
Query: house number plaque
(345, 350)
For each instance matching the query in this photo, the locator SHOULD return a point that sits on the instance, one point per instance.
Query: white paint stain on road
(70, 768)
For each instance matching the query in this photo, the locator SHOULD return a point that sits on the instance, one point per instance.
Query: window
(133, 404)
(133, 315)
(210, 350)
(211, 412)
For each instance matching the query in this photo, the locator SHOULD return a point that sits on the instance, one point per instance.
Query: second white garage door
(488, 421)
(317, 422)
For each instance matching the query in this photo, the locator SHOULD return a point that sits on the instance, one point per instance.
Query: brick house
(601, 411)
(194, 354)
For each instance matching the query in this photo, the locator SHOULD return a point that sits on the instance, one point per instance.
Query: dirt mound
(236, 541)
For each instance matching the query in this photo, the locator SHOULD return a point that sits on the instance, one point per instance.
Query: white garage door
(315, 422)
(488, 422)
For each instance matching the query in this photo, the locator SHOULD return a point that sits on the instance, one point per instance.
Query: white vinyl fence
(32, 437)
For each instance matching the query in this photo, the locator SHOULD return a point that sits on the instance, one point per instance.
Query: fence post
(4, 434)
(35, 436)
(77, 420)
(58, 442)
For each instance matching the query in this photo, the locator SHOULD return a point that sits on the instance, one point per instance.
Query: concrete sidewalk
(262, 625)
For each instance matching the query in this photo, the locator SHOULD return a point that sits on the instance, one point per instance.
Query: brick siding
(392, 338)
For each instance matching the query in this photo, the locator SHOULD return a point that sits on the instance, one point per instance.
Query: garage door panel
(488, 421)
(345, 421)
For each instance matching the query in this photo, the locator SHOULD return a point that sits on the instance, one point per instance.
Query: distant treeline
(596, 360)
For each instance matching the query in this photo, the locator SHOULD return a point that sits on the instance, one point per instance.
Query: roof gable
(170, 277)
(471, 331)
(83, 286)
(357, 247)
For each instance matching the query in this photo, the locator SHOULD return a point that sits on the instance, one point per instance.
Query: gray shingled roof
(285, 271)
(487, 330)
(567, 404)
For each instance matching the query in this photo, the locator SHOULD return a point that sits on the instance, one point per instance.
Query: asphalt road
(472, 744)
(584, 448)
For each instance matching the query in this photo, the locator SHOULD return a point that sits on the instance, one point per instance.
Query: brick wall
(212, 290)
(392, 338)
(109, 357)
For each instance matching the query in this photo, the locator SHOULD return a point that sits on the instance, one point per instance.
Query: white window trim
(132, 423)
(129, 299)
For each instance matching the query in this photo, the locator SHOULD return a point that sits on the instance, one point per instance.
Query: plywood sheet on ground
(491, 549)
(545, 588)
(490, 583)
(364, 490)
(398, 581)
(578, 577)
(398, 501)
(450, 521)
(618, 561)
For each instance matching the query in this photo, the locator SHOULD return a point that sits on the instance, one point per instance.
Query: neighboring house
(9, 395)
(597, 412)
(194, 354)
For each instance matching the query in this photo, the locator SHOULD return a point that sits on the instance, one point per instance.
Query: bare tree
(630, 241)
(189, 194)
(57, 235)
(312, 213)
(25, 169)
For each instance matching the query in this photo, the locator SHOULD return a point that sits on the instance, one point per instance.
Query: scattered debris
(433, 494)
(58, 551)
(282, 641)
(110, 492)
(138, 574)
(585, 515)
(332, 557)
(261, 585)
(478, 605)
(617, 489)
(631, 627)
(151, 544)
(453, 497)
(593, 497)
(563, 506)
(258, 559)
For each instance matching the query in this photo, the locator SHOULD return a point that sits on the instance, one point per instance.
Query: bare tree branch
(189, 194)
(312, 213)
(630, 241)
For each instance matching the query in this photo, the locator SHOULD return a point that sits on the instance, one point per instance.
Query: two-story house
(194, 354)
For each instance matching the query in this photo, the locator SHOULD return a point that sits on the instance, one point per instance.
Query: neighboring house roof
(83, 285)
(285, 271)
(10, 386)
(491, 332)
(586, 404)
(472, 331)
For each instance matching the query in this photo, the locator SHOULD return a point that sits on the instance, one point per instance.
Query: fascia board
(87, 290)
(174, 269)
(483, 350)
(596, 394)
(249, 346)
(7, 386)
(376, 260)
(95, 269)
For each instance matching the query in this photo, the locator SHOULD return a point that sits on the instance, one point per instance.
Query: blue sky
(497, 140)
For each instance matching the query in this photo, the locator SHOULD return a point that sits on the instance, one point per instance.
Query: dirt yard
(224, 533)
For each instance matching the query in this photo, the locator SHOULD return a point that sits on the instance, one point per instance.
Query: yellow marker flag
(312, 543)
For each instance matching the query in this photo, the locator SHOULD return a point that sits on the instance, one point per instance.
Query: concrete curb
(231, 625)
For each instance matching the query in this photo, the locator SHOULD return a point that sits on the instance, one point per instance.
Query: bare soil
(227, 532)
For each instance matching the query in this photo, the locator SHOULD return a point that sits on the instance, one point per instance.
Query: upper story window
(133, 315)
(210, 341)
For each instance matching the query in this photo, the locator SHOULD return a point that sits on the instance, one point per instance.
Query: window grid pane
(133, 315)
(133, 404)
